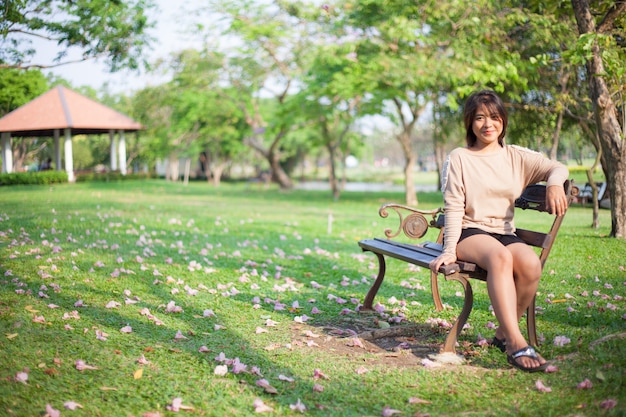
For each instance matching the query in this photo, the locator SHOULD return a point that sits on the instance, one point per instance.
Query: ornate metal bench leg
(434, 288)
(453, 335)
(531, 324)
(369, 298)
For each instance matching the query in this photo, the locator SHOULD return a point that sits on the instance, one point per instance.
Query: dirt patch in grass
(361, 339)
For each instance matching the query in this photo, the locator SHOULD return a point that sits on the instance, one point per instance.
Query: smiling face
(484, 114)
(487, 127)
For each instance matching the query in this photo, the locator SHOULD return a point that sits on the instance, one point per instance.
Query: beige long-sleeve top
(480, 189)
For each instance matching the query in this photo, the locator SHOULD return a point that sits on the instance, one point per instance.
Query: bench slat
(415, 255)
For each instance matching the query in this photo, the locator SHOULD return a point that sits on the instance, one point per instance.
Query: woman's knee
(528, 268)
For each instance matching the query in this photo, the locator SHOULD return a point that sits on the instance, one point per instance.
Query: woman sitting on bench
(480, 184)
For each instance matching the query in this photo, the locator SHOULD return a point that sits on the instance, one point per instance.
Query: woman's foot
(498, 343)
(525, 358)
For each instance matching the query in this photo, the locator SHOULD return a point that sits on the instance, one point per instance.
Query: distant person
(46, 165)
(480, 184)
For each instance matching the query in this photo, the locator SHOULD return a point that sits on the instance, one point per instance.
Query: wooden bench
(414, 225)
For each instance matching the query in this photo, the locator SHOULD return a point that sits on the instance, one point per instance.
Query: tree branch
(615, 11)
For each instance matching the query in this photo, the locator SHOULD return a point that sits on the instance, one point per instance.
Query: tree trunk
(278, 173)
(187, 170)
(217, 173)
(556, 136)
(172, 172)
(410, 159)
(611, 137)
(332, 171)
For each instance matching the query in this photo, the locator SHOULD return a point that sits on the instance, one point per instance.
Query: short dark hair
(493, 103)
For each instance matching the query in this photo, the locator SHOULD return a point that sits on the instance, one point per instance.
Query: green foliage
(111, 176)
(33, 178)
(112, 30)
(19, 87)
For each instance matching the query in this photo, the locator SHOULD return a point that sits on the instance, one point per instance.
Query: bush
(110, 176)
(34, 178)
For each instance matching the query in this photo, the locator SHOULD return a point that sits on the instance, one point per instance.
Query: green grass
(100, 242)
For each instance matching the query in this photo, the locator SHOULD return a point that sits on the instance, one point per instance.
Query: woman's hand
(556, 201)
(443, 259)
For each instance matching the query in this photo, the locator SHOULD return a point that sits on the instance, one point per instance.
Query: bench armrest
(413, 222)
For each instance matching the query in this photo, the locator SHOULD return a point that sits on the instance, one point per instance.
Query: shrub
(34, 178)
(111, 176)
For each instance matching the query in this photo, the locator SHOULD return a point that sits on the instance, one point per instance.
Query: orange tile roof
(62, 108)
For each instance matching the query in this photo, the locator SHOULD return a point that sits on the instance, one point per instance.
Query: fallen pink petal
(21, 377)
(52, 412)
(608, 404)
(220, 370)
(298, 406)
(177, 405)
(71, 405)
(586, 384)
(388, 411)
(261, 407)
(82, 366)
(541, 387)
(551, 369)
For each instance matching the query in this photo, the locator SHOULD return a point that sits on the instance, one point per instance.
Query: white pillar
(7, 153)
(113, 150)
(57, 149)
(69, 155)
(122, 150)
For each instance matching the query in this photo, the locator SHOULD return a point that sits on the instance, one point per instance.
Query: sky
(169, 37)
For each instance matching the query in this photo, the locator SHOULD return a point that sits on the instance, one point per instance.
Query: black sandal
(499, 343)
(528, 352)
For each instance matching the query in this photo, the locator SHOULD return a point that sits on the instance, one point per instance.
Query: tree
(602, 44)
(16, 89)
(112, 30)
(268, 48)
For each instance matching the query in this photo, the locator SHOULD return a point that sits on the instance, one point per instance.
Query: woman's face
(487, 126)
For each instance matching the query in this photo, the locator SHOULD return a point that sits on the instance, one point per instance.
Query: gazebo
(62, 109)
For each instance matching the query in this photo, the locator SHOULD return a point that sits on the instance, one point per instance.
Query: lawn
(159, 299)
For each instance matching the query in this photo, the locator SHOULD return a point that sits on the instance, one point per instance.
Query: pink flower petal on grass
(561, 340)
(608, 404)
(81, 365)
(21, 377)
(51, 412)
(388, 412)
(221, 370)
(71, 405)
(318, 388)
(317, 374)
(551, 369)
(179, 335)
(261, 407)
(298, 406)
(142, 360)
(263, 383)
(586, 384)
(177, 405)
(541, 387)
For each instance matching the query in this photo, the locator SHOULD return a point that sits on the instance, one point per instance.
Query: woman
(480, 185)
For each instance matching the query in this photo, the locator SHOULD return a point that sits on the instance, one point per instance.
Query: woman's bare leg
(502, 285)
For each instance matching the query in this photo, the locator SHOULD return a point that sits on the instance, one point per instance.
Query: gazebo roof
(62, 108)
